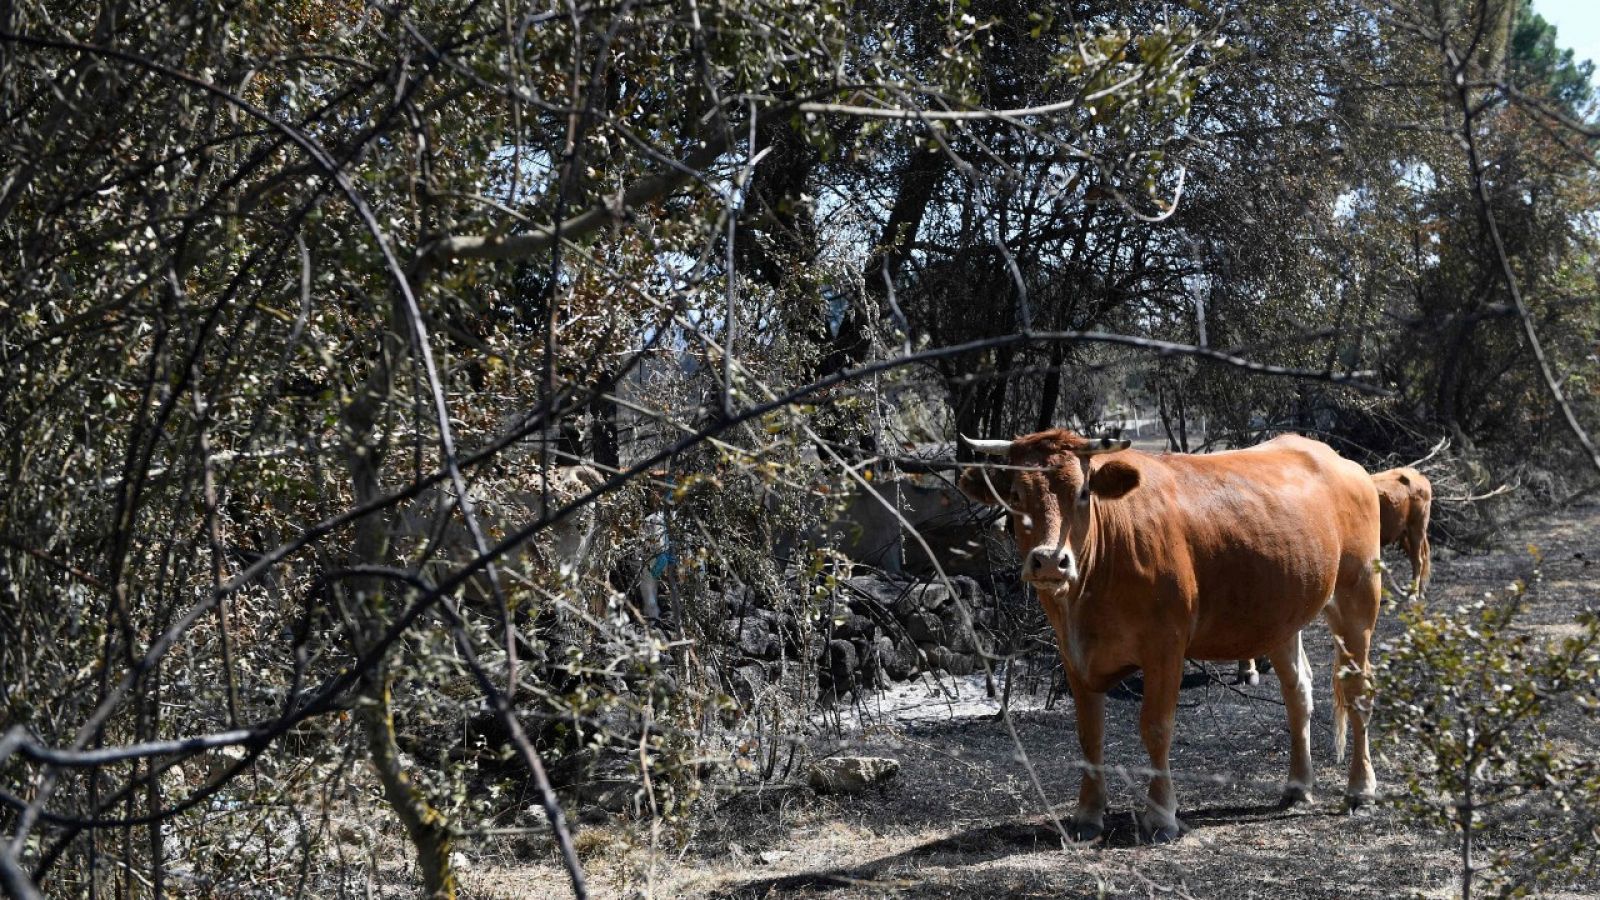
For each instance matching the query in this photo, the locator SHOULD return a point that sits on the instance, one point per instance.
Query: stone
(848, 774)
(950, 614)
(787, 628)
(957, 635)
(739, 600)
(841, 665)
(898, 658)
(871, 665)
(969, 590)
(925, 597)
(175, 781)
(223, 759)
(934, 596)
(747, 681)
(617, 797)
(854, 626)
(754, 637)
(967, 640)
(923, 627)
(882, 591)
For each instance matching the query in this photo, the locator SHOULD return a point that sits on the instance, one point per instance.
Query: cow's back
(1244, 546)
(1404, 496)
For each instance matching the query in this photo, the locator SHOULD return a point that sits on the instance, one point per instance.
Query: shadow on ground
(988, 843)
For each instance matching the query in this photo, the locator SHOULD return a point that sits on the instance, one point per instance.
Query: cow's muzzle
(1050, 566)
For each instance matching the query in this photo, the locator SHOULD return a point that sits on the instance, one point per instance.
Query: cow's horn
(1105, 445)
(988, 448)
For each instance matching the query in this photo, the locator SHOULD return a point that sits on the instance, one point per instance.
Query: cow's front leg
(1088, 821)
(1159, 823)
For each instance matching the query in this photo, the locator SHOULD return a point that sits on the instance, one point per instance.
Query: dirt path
(965, 818)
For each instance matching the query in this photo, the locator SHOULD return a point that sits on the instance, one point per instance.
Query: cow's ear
(981, 484)
(1113, 478)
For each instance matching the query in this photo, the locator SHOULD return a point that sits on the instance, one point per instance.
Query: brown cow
(1405, 498)
(1141, 561)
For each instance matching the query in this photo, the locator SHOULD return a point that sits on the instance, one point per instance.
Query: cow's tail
(1341, 715)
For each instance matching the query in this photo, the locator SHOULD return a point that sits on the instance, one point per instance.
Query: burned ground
(965, 817)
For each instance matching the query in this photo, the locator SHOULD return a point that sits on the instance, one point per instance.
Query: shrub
(1488, 717)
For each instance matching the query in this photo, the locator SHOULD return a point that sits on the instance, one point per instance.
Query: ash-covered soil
(970, 815)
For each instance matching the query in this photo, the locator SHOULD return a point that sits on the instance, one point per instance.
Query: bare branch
(530, 243)
(17, 741)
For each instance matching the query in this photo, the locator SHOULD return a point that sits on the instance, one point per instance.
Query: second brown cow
(1405, 498)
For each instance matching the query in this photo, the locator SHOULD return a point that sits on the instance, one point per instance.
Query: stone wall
(880, 629)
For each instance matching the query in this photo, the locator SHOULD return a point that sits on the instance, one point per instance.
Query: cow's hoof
(1163, 834)
(1359, 804)
(1250, 678)
(1295, 794)
(1084, 832)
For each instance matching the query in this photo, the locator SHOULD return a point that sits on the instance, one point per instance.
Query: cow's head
(1045, 482)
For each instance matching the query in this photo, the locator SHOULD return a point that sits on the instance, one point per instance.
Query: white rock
(846, 774)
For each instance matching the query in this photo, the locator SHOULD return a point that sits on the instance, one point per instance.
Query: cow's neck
(1071, 608)
(1105, 532)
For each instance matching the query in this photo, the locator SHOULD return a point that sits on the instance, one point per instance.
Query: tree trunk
(425, 826)
(919, 176)
(1464, 818)
(1166, 418)
(1050, 396)
(603, 433)
(1183, 417)
(1447, 409)
(994, 412)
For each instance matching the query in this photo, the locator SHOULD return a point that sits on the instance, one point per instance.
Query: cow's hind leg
(1159, 823)
(1247, 673)
(1089, 820)
(1294, 677)
(1408, 543)
(1418, 550)
(1352, 617)
(1421, 563)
